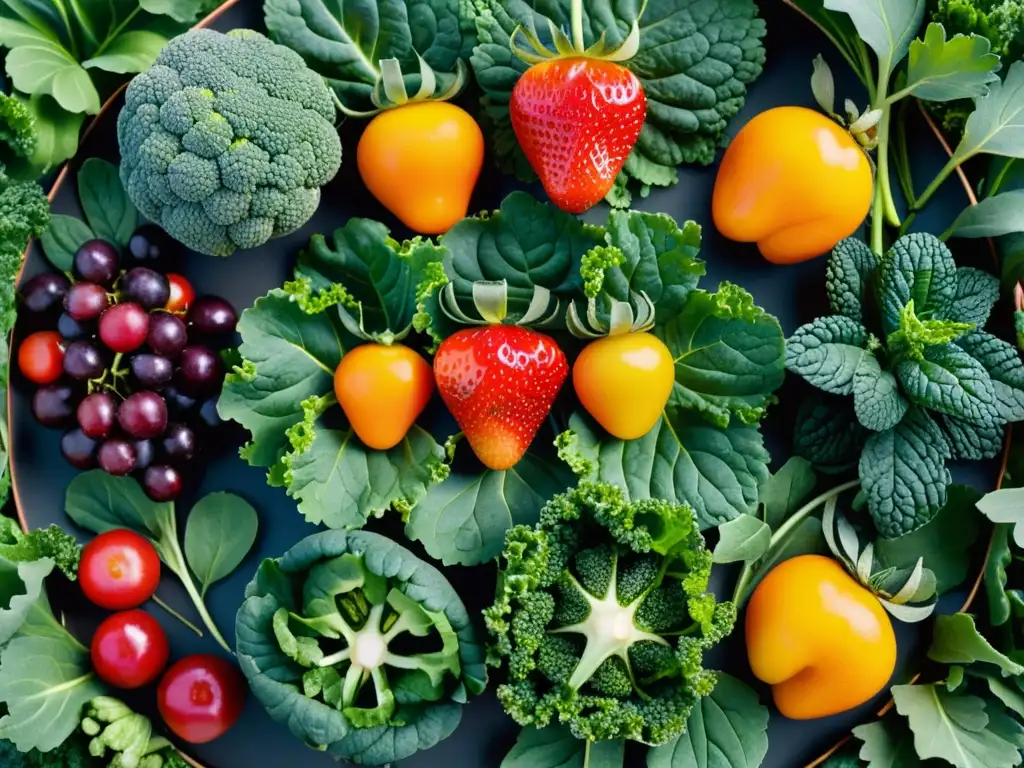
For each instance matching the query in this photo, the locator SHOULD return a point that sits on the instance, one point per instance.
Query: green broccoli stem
(781, 537)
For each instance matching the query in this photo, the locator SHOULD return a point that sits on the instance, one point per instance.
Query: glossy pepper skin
(821, 640)
(794, 182)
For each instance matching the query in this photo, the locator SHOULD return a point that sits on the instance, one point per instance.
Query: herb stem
(783, 534)
(904, 173)
(177, 564)
(118, 30)
(63, 12)
(997, 183)
(156, 599)
(937, 182)
(576, 19)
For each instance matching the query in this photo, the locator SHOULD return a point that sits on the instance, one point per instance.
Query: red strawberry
(499, 383)
(577, 120)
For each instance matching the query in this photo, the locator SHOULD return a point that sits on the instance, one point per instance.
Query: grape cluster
(138, 373)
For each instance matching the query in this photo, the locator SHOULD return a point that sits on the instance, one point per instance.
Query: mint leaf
(903, 471)
(918, 268)
(973, 442)
(828, 433)
(827, 353)
(944, 70)
(976, 295)
(728, 355)
(1002, 361)
(876, 396)
(851, 270)
(949, 381)
(957, 641)
(996, 126)
(726, 729)
(887, 26)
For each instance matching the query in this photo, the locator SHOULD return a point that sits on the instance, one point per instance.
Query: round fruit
(41, 357)
(143, 415)
(54, 404)
(383, 390)
(97, 262)
(624, 382)
(83, 361)
(149, 289)
(150, 246)
(209, 414)
(124, 328)
(72, 330)
(145, 452)
(201, 370)
(201, 697)
(179, 443)
(167, 334)
(85, 302)
(44, 293)
(182, 294)
(130, 649)
(119, 570)
(821, 640)
(212, 315)
(178, 401)
(96, 415)
(117, 457)
(162, 482)
(78, 450)
(152, 370)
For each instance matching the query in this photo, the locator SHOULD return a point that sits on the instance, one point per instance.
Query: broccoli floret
(227, 139)
(18, 137)
(24, 214)
(617, 651)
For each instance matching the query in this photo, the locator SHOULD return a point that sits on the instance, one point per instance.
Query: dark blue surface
(793, 294)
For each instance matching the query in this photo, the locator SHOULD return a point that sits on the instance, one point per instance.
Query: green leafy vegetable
(742, 539)
(100, 502)
(944, 70)
(376, 659)
(220, 531)
(52, 543)
(608, 596)
(695, 62)
(1006, 506)
(114, 727)
(888, 26)
(109, 212)
(886, 744)
(958, 641)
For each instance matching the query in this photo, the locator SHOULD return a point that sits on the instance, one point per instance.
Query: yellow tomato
(624, 382)
(821, 640)
(383, 390)
(422, 161)
(794, 182)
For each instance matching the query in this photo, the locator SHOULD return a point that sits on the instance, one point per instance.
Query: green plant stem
(937, 182)
(786, 530)
(156, 599)
(83, 19)
(576, 19)
(997, 183)
(878, 222)
(175, 560)
(884, 125)
(904, 174)
(59, 4)
(118, 30)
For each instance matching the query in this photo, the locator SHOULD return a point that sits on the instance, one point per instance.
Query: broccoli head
(603, 616)
(227, 139)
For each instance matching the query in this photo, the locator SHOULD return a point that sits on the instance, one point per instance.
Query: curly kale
(927, 384)
(53, 543)
(603, 616)
(227, 139)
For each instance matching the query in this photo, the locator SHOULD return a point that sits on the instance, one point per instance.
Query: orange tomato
(821, 640)
(383, 390)
(422, 161)
(624, 382)
(793, 181)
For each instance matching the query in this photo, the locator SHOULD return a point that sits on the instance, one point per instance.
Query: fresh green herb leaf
(973, 442)
(938, 69)
(551, 746)
(108, 211)
(887, 743)
(21, 584)
(888, 26)
(130, 53)
(995, 125)
(786, 490)
(1006, 506)
(918, 269)
(976, 295)
(742, 539)
(828, 352)
(948, 380)
(1002, 214)
(219, 532)
(727, 729)
(828, 433)
(851, 269)
(1002, 602)
(876, 396)
(63, 239)
(464, 519)
(1003, 364)
(57, 131)
(958, 641)
(45, 68)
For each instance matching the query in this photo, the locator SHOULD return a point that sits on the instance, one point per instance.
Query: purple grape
(143, 415)
(145, 453)
(178, 400)
(146, 287)
(212, 315)
(72, 330)
(97, 262)
(78, 450)
(162, 482)
(54, 405)
(96, 415)
(117, 457)
(167, 334)
(150, 246)
(44, 293)
(209, 414)
(152, 371)
(201, 370)
(83, 361)
(179, 444)
(85, 302)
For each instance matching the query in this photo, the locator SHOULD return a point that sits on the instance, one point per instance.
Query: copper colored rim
(211, 19)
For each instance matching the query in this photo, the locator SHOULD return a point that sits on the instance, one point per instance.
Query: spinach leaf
(851, 268)
(726, 728)
(346, 42)
(828, 352)
(728, 355)
(110, 213)
(219, 533)
(57, 133)
(463, 520)
(551, 746)
(62, 240)
(961, 67)
(685, 459)
(695, 62)
(887, 26)
(876, 396)
(904, 474)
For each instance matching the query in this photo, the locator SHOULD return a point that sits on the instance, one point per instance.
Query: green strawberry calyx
(535, 52)
(490, 300)
(390, 91)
